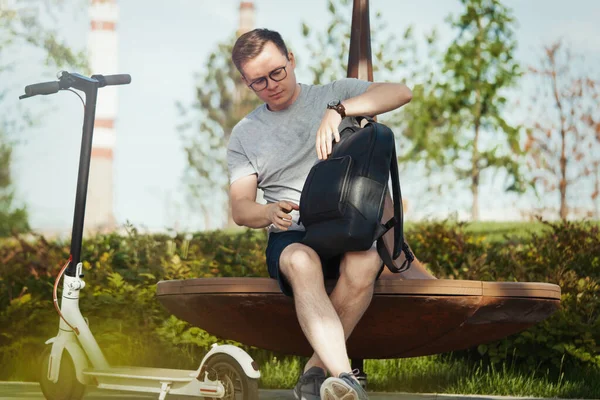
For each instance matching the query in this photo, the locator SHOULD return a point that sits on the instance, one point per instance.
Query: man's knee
(300, 263)
(360, 269)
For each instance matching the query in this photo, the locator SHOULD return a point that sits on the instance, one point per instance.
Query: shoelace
(356, 373)
(312, 378)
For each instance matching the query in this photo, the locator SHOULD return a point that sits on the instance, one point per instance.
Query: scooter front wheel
(238, 386)
(67, 387)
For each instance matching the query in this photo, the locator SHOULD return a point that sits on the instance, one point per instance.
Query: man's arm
(247, 212)
(377, 99)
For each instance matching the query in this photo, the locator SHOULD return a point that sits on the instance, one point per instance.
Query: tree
(563, 141)
(22, 26)
(221, 102)
(11, 219)
(460, 121)
(25, 23)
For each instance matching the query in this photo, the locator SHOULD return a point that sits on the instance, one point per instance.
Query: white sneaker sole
(337, 389)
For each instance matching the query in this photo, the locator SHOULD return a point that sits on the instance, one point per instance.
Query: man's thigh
(281, 245)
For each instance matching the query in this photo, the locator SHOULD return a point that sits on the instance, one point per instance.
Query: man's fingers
(336, 135)
(282, 221)
(323, 145)
(292, 206)
(325, 142)
(283, 215)
(330, 142)
(280, 226)
(286, 206)
(318, 145)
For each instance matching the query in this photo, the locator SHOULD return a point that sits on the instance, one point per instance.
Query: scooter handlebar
(42, 88)
(77, 81)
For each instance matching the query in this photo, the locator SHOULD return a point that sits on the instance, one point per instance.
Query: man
(274, 148)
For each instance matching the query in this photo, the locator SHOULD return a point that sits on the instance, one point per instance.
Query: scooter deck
(154, 380)
(143, 373)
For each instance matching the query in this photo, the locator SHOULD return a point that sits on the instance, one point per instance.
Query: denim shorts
(277, 243)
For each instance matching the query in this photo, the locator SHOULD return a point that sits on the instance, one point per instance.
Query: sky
(164, 45)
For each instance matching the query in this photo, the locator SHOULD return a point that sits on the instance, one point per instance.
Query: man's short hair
(250, 44)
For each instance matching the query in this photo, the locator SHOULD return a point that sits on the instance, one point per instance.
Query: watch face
(333, 103)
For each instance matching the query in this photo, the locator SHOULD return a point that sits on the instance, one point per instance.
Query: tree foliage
(563, 139)
(221, 102)
(458, 119)
(24, 24)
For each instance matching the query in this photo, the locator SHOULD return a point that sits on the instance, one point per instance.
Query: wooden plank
(522, 289)
(441, 287)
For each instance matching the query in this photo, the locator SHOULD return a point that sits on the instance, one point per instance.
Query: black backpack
(343, 197)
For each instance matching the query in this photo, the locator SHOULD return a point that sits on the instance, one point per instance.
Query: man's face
(279, 94)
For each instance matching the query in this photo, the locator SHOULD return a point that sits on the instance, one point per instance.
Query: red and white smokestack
(102, 56)
(247, 18)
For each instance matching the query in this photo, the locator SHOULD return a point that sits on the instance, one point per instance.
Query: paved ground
(31, 391)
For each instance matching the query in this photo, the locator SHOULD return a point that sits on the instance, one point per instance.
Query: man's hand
(278, 214)
(327, 132)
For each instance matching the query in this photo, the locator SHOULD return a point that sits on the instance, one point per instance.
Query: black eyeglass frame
(270, 76)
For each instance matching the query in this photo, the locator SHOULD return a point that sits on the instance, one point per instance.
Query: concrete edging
(286, 394)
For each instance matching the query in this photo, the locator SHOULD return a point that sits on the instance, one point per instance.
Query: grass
(495, 231)
(490, 230)
(432, 374)
(498, 231)
(443, 375)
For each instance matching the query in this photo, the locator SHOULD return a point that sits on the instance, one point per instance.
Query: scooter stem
(90, 87)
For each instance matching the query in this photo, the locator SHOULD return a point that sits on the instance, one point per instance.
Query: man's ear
(292, 59)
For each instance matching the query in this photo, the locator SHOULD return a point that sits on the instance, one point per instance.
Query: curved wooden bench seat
(407, 318)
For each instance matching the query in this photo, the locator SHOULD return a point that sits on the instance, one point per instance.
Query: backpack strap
(397, 222)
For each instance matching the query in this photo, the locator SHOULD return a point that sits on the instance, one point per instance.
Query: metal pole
(360, 66)
(359, 58)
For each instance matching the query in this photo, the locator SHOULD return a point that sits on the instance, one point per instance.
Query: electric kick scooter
(74, 359)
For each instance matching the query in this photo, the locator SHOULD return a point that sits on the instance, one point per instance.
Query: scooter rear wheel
(237, 384)
(67, 387)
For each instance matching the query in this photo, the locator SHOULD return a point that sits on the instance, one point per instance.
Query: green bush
(128, 322)
(567, 254)
(133, 328)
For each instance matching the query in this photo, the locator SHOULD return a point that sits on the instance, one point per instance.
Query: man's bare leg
(350, 311)
(416, 270)
(317, 316)
(352, 294)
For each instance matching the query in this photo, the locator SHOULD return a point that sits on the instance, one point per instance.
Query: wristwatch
(337, 106)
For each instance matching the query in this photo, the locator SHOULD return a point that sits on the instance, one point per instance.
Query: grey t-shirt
(279, 146)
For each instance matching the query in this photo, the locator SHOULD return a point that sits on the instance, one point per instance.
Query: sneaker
(309, 384)
(343, 388)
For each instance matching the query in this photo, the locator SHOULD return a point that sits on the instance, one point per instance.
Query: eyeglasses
(277, 75)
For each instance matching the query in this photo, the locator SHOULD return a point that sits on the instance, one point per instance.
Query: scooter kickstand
(164, 389)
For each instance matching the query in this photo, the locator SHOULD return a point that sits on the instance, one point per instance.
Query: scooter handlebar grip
(121, 79)
(42, 88)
